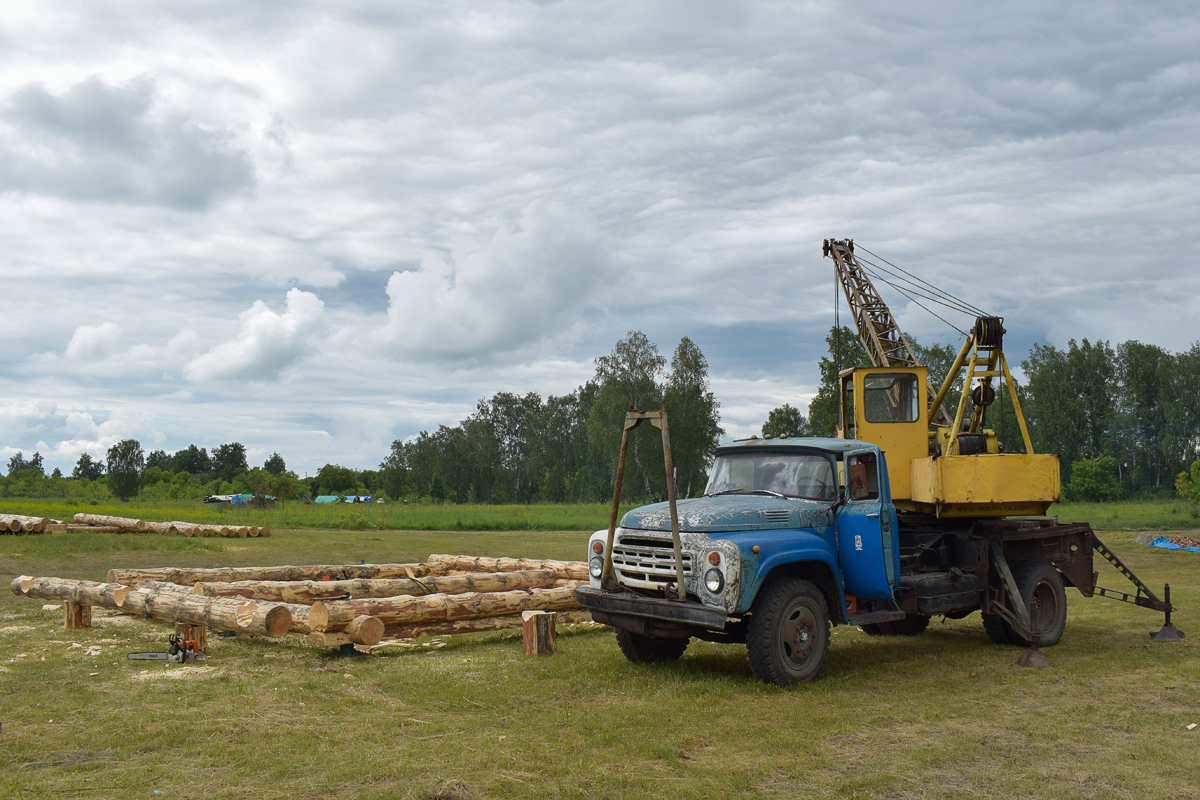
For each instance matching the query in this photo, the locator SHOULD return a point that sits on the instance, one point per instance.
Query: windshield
(805, 475)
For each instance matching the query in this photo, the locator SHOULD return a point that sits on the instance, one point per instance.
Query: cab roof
(825, 444)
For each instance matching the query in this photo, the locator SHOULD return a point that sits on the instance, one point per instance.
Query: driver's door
(866, 530)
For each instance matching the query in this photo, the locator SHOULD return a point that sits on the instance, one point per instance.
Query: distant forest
(1125, 421)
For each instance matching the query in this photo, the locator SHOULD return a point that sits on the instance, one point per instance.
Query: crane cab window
(890, 397)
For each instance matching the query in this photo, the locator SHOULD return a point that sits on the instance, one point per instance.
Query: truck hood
(731, 512)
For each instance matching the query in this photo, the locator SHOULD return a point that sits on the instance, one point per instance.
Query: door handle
(872, 513)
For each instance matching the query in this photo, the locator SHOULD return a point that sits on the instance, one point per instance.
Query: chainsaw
(181, 651)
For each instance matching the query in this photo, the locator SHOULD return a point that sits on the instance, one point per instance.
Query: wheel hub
(797, 638)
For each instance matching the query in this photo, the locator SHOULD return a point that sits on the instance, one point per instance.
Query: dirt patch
(16, 628)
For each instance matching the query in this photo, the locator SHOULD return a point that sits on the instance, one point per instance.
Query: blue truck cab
(792, 535)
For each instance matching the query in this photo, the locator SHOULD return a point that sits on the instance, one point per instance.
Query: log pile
(339, 604)
(101, 523)
(17, 523)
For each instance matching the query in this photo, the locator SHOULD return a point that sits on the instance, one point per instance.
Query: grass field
(942, 715)
(1175, 514)
(340, 516)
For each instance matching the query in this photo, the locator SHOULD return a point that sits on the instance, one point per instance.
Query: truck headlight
(596, 567)
(714, 581)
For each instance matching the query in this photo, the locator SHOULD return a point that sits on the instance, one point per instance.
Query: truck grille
(648, 566)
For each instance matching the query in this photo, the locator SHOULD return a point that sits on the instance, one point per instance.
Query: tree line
(512, 449)
(1124, 420)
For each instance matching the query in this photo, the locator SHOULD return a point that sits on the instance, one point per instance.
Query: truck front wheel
(647, 650)
(789, 632)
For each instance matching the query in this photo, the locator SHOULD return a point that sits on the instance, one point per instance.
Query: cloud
(266, 344)
(85, 435)
(101, 142)
(531, 282)
(94, 342)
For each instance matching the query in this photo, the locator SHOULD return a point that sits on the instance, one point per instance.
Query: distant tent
(327, 498)
(358, 498)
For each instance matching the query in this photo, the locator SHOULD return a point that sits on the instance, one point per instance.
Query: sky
(315, 228)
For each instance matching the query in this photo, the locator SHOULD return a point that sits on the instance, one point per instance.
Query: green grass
(941, 715)
(361, 516)
(1133, 515)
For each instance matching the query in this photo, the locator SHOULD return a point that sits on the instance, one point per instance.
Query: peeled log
(19, 522)
(573, 570)
(308, 591)
(249, 617)
(405, 609)
(88, 593)
(189, 576)
(187, 528)
(164, 586)
(475, 625)
(298, 611)
(361, 630)
(160, 527)
(124, 523)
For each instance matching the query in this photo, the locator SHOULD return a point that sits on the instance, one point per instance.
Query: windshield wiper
(746, 491)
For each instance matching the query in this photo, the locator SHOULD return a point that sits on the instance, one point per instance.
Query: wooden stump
(538, 634)
(193, 633)
(78, 615)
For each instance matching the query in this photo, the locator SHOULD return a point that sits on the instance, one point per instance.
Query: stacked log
(101, 523)
(316, 572)
(408, 610)
(18, 523)
(122, 523)
(570, 570)
(90, 593)
(310, 591)
(446, 628)
(332, 604)
(240, 616)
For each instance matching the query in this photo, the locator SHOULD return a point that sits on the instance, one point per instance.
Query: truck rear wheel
(1042, 589)
(647, 650)
(911, 625)
(789, 632)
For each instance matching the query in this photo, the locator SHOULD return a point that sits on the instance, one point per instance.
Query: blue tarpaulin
(328, 498)
(1167, 544)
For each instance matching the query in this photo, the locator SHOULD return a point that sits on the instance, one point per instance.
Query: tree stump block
(193, 633)
(78, 615)
(538, 634)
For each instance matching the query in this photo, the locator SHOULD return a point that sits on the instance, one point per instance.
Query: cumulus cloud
(84, 435)
(266, 344)
(530, 282)
(94, 342)
(115, 143)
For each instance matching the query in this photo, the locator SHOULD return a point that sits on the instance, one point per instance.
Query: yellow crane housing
(938, 465)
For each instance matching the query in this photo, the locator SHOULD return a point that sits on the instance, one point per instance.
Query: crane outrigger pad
(1144, 597)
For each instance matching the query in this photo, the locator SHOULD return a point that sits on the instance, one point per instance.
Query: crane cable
(962, 304)
(913, 291)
